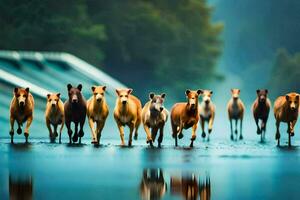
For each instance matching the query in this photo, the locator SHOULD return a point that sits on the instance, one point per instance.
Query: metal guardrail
(77, 64)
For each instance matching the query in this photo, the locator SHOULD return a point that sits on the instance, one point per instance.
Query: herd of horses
(153, 115)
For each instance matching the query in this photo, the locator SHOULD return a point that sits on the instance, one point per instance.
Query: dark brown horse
(75, 111)
(261, 109)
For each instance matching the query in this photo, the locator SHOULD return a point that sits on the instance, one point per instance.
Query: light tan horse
(55, 115)
(236, 109)
(207, 112)
(97, 112)
(127, 111)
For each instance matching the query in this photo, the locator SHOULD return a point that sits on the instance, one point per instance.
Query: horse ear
(16, 90)
(257, 91)
(211, 92)
(129, 91)
(267, 91)
(27, 89)
(163, 95)
(117, 92)
(104, 88)
(239, 91)
(58, 95)
(151, 95)
(48, 96)
(79, 87)
(287, 97)
(187, 92)
(69, 86)
(93, 88)
(199, 92)
(297, 97)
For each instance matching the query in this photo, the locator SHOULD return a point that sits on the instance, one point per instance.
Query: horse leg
(70, 132)
(75, 136)
(231, 130)
(241, 128)
(11, 132)
(277, 135)
(258, 131)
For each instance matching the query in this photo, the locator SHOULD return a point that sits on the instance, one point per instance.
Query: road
(236, 170)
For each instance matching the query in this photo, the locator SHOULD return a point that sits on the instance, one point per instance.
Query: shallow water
(219, 169)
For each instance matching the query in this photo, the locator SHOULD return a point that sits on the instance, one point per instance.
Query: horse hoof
(209, 130)
(180, 136)
(241, 137)
(19, 131)
(203, 135)
(231, 137)
(129, 143)
(277, 136)
(11, 133)
(292, 134)
(135, 137)
(258, 132)
(159, 145)
(75, 138)
(193, 138)
(81, 133)
(236, 132)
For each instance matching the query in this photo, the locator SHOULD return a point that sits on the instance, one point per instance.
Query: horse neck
(261, 105)
(98, 105)
(123, 108)
(192, 110)
(154, 113)
(235, 103)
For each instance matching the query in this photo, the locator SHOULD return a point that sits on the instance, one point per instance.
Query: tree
(50, 26)
(160, 45)
(286, 73)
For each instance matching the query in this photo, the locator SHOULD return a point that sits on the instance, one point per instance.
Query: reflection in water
(20, 188)
(189, 188)
(205, 192)
(153, 185)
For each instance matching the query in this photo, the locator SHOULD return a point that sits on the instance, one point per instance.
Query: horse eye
(102, 93)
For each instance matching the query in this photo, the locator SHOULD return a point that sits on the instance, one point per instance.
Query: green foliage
(166, 45)
(52, 26)
(286, 73)
(148, 44)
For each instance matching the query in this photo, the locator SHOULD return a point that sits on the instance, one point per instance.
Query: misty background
(170, 45)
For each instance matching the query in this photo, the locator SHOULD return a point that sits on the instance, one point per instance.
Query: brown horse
(286, 109)
(185, 115)
(261, 109)
(21, 110)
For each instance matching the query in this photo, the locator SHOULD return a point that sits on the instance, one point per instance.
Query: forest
(147, 44)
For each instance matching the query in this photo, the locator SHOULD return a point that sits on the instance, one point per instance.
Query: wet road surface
(214, 170)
